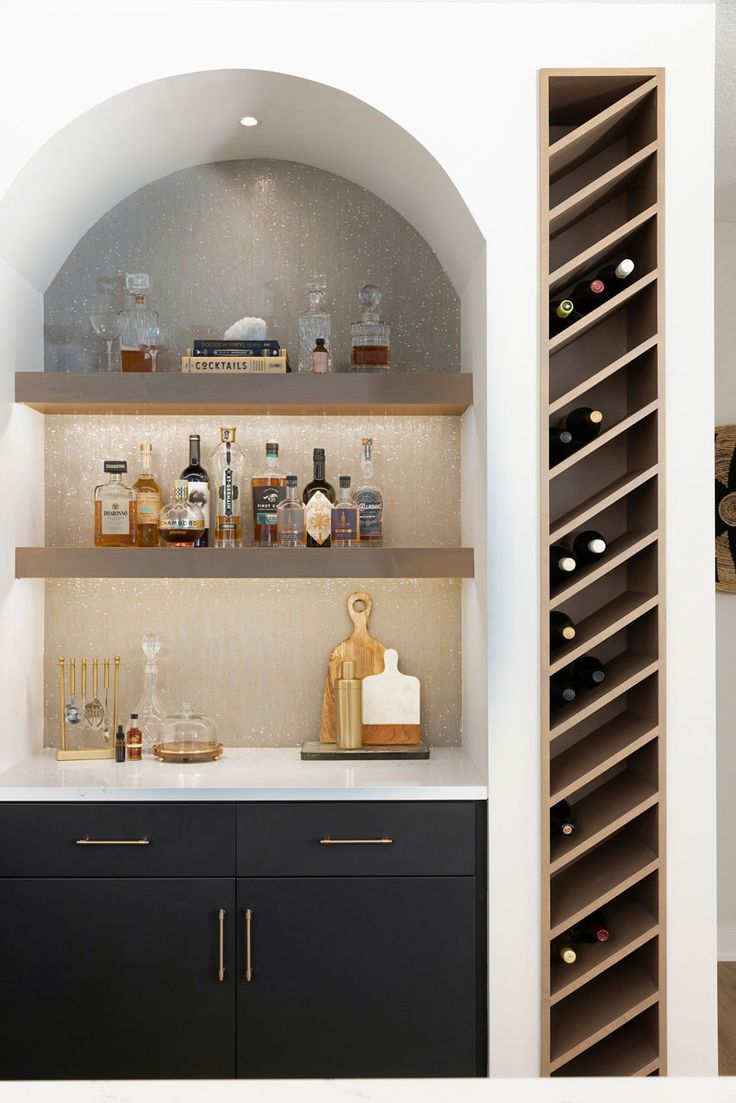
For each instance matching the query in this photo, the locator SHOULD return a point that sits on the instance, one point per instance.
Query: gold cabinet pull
(221, 959)
(356, 842)
(113, 842)
(248, 946)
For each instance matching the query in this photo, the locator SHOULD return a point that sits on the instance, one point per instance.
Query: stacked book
(261, 357)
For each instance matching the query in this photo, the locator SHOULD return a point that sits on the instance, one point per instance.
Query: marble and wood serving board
(390, 704)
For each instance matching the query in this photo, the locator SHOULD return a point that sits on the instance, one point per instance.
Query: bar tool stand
(70, 714)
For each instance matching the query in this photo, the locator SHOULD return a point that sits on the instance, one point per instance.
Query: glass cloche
(188, 737)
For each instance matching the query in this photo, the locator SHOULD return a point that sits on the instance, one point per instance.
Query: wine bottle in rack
(584, 423)
(563, 949)
(561, 444)
(561, 628)
(587, 294)
(561, 688)
(593, 928)
(562, 563)
(562, 818)
(561, 315)
(615, 276)
(588, 546)
(588, 673)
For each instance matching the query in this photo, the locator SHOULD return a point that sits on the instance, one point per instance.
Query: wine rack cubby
(601, 188)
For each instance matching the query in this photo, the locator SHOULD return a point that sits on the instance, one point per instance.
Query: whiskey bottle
(180, 523)
(344, 526)
(269, 488)
(137, 324)
(370, 500)
(149, 502)
(199, 486)
(228, 462)
(115, 509)
(371, 338)
(318, 497)
(290, 518)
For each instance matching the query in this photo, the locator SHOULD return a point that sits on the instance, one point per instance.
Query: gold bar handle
(248, 946)
(113, 842)
(356, 842)
(221, 962)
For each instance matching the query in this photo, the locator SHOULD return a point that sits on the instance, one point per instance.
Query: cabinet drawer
(320, 839)
(117, 840)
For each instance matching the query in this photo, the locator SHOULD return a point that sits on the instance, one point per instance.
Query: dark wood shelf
(602, 812)
(427, 394)
(619, 613)
(627, 1052)
(600, 751)
(244, 563)
(622, 674)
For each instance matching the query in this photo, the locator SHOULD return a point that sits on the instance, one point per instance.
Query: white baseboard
(727, 943)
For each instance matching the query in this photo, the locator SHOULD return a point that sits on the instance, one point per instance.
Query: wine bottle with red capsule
(593, 928)
(587, 294)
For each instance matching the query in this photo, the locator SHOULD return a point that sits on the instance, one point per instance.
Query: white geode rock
(247, 329)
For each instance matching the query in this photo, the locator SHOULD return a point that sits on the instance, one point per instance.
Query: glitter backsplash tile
(236, 238)
(252, 654)
(417, 464)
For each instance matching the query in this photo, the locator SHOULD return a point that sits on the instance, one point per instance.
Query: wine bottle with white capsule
(562, 563)
(588, 546)
(615, 275)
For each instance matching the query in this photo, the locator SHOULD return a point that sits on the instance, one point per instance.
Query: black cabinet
(357, 977)
(105, 978)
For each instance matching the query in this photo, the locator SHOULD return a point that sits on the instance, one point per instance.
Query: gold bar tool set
(89, 717)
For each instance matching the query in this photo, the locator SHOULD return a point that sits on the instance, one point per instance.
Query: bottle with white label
(228, 462)
(370, 500)
(149, 502)
(116, 509)
(318, 498)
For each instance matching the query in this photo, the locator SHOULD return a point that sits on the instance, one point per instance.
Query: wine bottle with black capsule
(562, 563)
(584, 423)
(561, 628)
(561, 688)
(561, 444)
(562, 818)
(588, 546)
(564, 949)
(588, 673)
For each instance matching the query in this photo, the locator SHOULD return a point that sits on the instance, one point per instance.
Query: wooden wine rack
(601, 195)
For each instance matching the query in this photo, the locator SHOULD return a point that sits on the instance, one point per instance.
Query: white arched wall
(462, 80)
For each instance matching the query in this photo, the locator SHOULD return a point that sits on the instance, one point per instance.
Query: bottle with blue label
(370, 500)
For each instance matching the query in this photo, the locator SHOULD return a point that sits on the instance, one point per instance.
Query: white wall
(463, 80)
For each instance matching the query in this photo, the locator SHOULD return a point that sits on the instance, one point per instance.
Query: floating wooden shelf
(244, 563)
(181, 393)
(601, 188)
(631, 926)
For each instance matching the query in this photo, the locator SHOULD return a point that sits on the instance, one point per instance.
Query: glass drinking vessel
(108, 325)
(149, 338)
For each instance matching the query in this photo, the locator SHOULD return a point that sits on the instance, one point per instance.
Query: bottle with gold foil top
(180, 523)
(228, 462)
(318, 497)
(149, 502)
(348, 708)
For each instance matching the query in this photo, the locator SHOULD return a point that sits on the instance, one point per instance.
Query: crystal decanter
(151, 709)
(314, 322)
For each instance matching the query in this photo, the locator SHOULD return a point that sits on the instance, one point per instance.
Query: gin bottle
(314, 322)
(151, 709)
(290, 518)
(318, 497)
(370, 500)
(228, 462)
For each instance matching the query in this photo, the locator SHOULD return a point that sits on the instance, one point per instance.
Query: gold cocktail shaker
(348, 708)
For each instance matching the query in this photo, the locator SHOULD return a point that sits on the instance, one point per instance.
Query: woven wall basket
(726, 509)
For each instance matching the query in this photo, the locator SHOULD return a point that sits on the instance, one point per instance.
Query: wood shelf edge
(599, 187)
(588, 256)
(616, 430)
(625, 1017)
(620, 108)
(632, 813)
(606, 497)
(606, 762)
(588, 641)
(603, 374)
(593, 573)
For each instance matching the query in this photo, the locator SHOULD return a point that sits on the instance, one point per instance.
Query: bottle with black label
(228, 461)
(370, 500)
(269, 489)
(318, 497)
(199, 486)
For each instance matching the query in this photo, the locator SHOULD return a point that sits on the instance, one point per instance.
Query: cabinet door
(116, 978)
(357, 977)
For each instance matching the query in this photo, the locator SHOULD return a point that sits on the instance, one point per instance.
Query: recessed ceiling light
(249, 120)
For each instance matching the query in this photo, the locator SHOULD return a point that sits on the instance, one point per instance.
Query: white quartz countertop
(258, 773)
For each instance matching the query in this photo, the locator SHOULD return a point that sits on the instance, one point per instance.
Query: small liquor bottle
(344, 527)
(115, 509)
(290, 518)
(370, 501)
(318, 497)
(371, 338)
(120, 744)
(320, 357)
(149, 502)
(269, 488)
(228, 462)
(180, 523)
(199, 486)
(134, 740)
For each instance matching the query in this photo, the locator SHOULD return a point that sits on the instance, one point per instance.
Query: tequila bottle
(370, 500)
(151, 708)
(290, 518)
(371, 337)
(314, 322)
(115, 509)
(345, 518)
(228, 462)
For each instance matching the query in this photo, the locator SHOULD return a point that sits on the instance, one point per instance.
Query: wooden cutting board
(366, 652)
(390, 704)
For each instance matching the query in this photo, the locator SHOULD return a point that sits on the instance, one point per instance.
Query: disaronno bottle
(228, 462)
(149, 502)
(318, 497)
(115, 509)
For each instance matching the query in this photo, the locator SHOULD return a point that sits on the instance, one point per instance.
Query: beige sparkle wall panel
(252, 654)
(417, 464)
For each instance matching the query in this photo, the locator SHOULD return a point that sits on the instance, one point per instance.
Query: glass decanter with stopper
(139, 321)
(181, 523)
(314, 323)
(228, 462)
(151, 708)
(371, 337)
